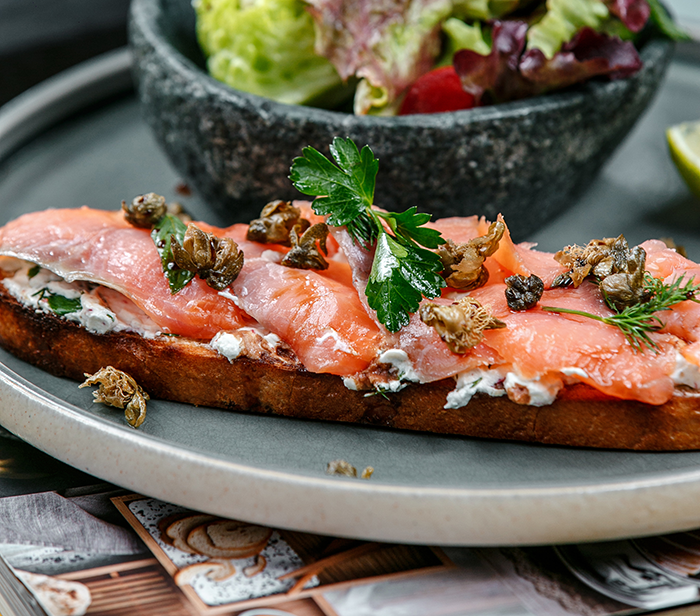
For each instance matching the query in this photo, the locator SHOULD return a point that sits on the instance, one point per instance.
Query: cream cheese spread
(686, 373)
(540, 391)
(101, 310)
(401, 365)
(228, 344)
(250, 342)
(499, 381)
(488, 381)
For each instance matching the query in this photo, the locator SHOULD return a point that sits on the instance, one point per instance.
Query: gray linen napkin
(49, 520)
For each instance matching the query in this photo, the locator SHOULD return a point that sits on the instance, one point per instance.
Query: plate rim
(467, 516)
(11, 379)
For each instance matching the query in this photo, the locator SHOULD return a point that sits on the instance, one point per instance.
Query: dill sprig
(636, 322)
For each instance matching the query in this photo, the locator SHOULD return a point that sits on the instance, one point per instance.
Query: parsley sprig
(404, 270)
(636, 322)
(167, 227)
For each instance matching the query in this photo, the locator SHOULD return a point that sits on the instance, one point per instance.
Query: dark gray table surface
(39, 38)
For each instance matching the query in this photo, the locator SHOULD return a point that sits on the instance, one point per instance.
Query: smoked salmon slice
(322, 319)
(318, 314)
(101, 247)
(538, 345)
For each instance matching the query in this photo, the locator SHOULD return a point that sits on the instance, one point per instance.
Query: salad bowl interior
(528, 160)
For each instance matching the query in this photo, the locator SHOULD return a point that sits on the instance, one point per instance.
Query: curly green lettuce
(563, 19)
(485, 9)
(266, 47)
(460, 35)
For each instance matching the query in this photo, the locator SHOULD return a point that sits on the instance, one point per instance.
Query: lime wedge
(684, 144)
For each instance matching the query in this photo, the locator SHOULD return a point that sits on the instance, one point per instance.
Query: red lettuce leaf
(508, 73)
(633, 13)
(388, 43)
(588, 54)
(496, 78)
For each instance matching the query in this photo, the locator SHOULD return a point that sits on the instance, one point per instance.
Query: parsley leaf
(60, 304)
(401, 275)
(33, 271)
(345, 191)
(166, 227)
(408, 225)
(402, 271)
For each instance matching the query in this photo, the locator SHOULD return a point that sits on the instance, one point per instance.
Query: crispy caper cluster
(460, 325)
(118, 389)
(523, 292)
(145, 210)
(218, 261)
(275, 224)
(306, 248)
(618, 270)
(463, 264)
(341, 467)
(626, 288)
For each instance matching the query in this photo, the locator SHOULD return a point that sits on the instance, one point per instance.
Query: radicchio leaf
(388, 44)
(633, 13)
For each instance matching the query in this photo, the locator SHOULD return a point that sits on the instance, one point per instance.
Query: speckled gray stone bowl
(528, 160)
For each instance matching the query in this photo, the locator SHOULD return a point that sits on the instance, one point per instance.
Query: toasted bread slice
(190, 371)
(165, 522)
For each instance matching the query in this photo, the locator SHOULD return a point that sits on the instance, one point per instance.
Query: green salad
(421, 56)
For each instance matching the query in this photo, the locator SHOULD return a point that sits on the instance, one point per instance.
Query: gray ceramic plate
(426, 488)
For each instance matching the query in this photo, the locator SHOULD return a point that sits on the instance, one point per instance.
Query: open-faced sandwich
(337, 310)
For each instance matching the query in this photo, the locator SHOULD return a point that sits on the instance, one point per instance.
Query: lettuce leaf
(485, 9)
(460, 35)
(510, 73)
(663, 22)
(265, 47)
(388, 44)
(589, 54)
(563, 19)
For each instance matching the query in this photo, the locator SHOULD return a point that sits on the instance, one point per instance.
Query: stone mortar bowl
(528, 160)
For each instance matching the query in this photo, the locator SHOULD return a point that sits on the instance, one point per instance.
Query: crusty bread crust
(190, 371)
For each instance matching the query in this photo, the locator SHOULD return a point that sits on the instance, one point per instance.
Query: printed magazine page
(70, 545)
